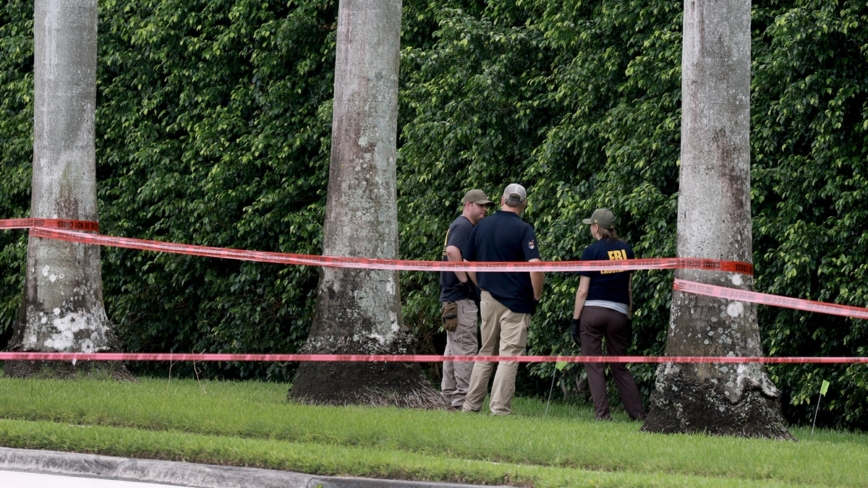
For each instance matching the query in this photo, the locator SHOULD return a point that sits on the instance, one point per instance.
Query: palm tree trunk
(359, 311)
(714, 221)
(62, 309)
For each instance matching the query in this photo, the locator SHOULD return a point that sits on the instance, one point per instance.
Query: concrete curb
(185, 474)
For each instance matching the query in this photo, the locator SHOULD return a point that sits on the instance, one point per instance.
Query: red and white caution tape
(422, 358)
(774, 300)
(80, 225)
(392, 264)
(57, 229)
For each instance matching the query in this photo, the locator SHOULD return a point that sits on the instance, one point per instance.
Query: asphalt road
(24, 468)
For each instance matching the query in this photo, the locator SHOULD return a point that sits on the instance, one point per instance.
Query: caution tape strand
(766, 299)
(80, 225)
(393, 264)
(422, 358)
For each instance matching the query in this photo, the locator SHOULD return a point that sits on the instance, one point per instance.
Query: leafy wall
(213, 125)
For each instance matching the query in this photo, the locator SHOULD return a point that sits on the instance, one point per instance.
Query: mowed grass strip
(531, 447)
(331, 460)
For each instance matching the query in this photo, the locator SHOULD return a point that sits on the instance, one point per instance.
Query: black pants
(595, 324)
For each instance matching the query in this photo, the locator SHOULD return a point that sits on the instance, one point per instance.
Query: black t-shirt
(505, 237)
(459, 233)
(609, 285)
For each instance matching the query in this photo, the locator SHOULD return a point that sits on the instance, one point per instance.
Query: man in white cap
(508, 299)
(459, 297)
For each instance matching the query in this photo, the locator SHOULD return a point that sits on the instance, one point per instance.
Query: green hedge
(213, 126)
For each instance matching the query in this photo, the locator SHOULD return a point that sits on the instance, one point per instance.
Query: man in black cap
(459, 297)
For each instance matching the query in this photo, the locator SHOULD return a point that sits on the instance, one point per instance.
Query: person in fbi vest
(604, 309)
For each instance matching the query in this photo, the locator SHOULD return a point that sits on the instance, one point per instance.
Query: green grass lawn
(251, 424)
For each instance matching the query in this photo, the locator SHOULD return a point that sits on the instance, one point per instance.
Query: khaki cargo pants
(504, 333)
(460, 342)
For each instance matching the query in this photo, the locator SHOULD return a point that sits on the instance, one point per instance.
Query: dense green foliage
(810, 149)
(213, 126)
(16, 149)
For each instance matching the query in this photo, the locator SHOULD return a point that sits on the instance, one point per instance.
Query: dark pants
(597, 323)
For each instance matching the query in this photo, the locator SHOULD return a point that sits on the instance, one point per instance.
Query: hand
(466, 288)
(574, 332)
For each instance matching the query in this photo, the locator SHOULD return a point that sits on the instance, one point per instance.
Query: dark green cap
(602, 217)
(478, 197)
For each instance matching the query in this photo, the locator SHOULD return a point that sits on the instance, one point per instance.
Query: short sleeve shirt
(608, 285)
(458, 235)
(505, 237)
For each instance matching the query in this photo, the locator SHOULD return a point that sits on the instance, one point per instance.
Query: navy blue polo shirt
(458, 235)
(504, 237)
(609, 285)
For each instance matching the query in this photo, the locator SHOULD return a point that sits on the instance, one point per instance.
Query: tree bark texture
(359, 311)
(62, 309)
(714, 221)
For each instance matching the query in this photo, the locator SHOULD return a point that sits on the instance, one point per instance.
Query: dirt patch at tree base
(374, 384)
(687, 407)
(65, 370)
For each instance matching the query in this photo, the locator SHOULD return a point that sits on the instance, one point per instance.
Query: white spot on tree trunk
(735, 309)
(72, 332)
(390, 287)
(377, 337)
(749, 374)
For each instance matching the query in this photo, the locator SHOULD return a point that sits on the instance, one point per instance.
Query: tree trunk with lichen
(714, 221)
(359, 311)
(62, 309)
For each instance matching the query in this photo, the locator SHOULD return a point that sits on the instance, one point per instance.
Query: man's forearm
(454, 255)
(536, 280)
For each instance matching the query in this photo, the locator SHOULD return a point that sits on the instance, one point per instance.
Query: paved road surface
(14, 479)
(24, 468)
